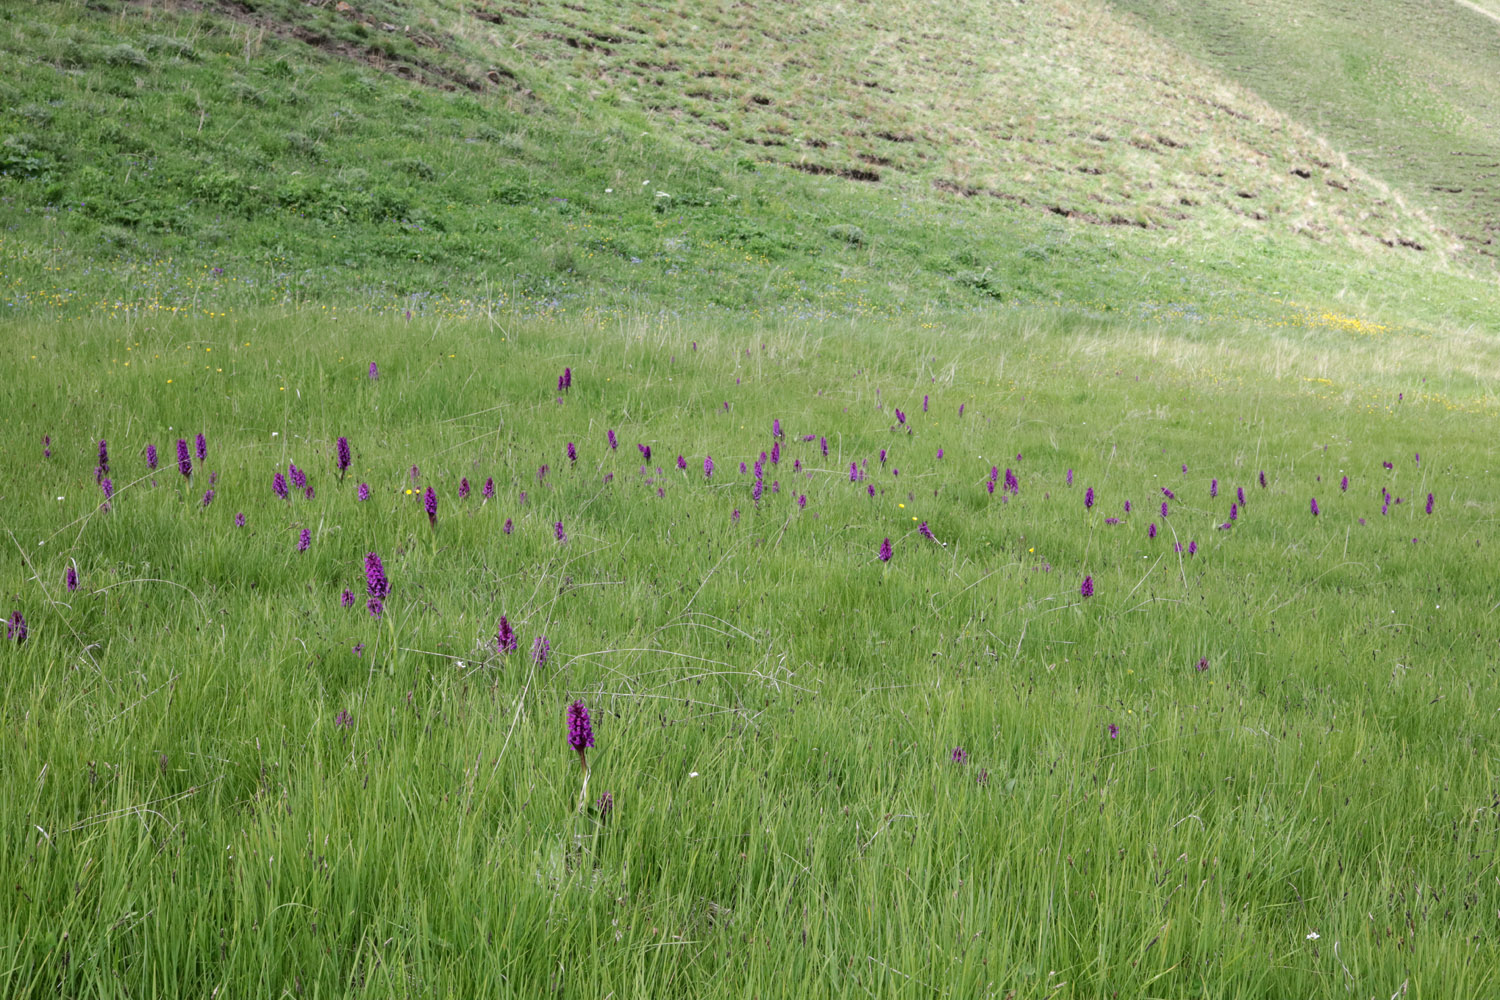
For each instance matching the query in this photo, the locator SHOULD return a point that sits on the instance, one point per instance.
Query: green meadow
(1012, 492)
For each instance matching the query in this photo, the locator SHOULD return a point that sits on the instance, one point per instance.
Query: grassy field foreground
(1257, 760)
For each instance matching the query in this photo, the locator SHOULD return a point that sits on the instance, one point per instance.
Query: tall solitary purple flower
(1163, 509)
(1234, 512)
(346, 599)
(363, 493)
(1239, 495)
(1088, 498)
(853, 472)
(924, 404)
(1344, 485)
(304, 540)
(1070, 477)
(1087, 588)
(376, 584)
(926, 532)
(463, 488)
(562, 536)
(580, 731)
(776, 453)
(202, 448)
(208, 497)
(802, 501)
(1314, 506)
(572, 452)
(1192, 548)
(645, 451)
(1151, 530)
(1127, 506)
(15, 627)
(150, 456)
(46, 445)
(1429, 503)
(1213, 488)
(885, 551)
(1114, 731)
(103, 455)
(374, 372)
(1262, 478)
(613, 441)
(239, 519)
(344, 458)
(708, 466)
(960, 409)
(681, 462)
(489, 488)
(505, 637)
(1168, 493)
(540, 650)
(509, 527)
(70, 579)
(776, 428)
(823, 443)
(278, 486)
(184, 460)
(429, 503)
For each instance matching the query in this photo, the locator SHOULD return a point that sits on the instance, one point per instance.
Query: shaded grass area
(217, 776)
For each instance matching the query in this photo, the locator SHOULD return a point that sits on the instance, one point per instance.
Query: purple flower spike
(1151, 531)
(959, 756)
(1164, 509)
(376, 584)
(1168, 493)
(1114, 731)
(374, 372)
(802, 501)
(853, 472)
(870, 489)
(940, 453)
(489, 488)
(926, 532)
(541, 473)
(882, 456)
(776, 428)
(1127, 506)
(776, 453)
(364, 492)
(960, 409)
(103, 455)
(1088, 498)
(823, 443)
(46, 445)
(1344, 485)
(184, 460)
(900, 417)
(708, 466)
(344, 458)
(278, 486)
(505, 637)
(463, 488)
(1429, 503)
(756, 491)
(70, 579)
(416, 474)
(208, 497)
(1213, 488)
(989, 484)
(202, 448)
(1202, 664)
(108, 486)
(1087, 588)
(613, 441)
(1070, 477)
(347, 598)
(15, 627)
(1234, 512)
(1262, 478)
(540, 650)
(1011, 484)
(580, 731)
(572, 452)
(885, 551)
(681, 462)
(375, 606)
(150, 456)
(924, 404)
(429, 503)
(239, 519)
(304, 540)
(735, 515)
(509, 527)
(1239, 495)
(296, 475)
(557, 529)
(1314, 506)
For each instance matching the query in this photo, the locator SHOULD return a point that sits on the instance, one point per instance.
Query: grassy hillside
(771, 160)
(1406, 88)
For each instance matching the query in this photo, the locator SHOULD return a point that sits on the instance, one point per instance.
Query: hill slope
(767, 159)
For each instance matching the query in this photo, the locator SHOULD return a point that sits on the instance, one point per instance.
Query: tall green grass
(776, 710)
